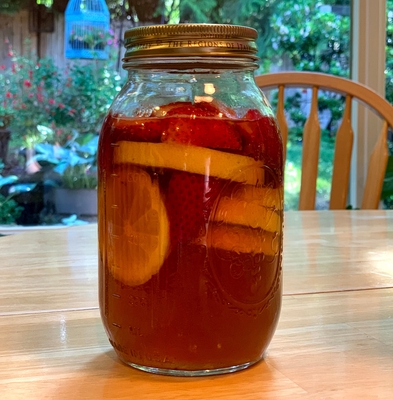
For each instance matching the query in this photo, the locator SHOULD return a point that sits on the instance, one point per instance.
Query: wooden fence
(14, 32)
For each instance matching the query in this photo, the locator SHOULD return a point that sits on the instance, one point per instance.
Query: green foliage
(387, 189)
(90, 38)
(192, 11)
(253, 13)
(75, 163)
(35, 92)
(89, 90)
(79, 177)
(9, 209)
(314, 40)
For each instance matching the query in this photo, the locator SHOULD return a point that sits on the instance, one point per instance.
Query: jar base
(190, 373)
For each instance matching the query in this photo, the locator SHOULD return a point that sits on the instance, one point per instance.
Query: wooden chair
(344, 137)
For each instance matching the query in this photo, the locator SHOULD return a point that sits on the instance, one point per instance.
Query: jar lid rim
(195, 40)
(217, 30)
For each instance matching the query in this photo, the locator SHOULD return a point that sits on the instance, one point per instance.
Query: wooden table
(334, 340)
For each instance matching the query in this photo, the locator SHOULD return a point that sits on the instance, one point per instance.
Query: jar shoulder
(144, 92)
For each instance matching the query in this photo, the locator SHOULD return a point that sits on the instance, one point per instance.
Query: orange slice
(247, 219)
(140, 234)
(243, 240)
(254, 207)
(192, 159)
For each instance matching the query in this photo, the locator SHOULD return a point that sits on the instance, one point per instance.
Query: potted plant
(78, 193)
(90, 38)
(74, 165)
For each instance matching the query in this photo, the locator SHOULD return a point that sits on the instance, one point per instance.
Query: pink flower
(40, 98)
(31, 74)
(109, 41)
(31, 95)
(61, 105)
(27, 83)
(2, 67)
(52, 102)
(8, 95)
(71, 112)
(23, 106)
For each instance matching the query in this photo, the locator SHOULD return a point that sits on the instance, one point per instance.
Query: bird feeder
(87, 29)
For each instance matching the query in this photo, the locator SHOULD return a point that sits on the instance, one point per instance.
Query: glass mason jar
(190, 204)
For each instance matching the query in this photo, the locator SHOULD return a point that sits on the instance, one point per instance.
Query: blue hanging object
(87, 29)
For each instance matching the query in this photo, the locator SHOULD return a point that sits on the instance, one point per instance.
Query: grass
(293, 175)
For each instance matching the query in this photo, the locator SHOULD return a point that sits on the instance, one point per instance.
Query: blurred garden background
(57, 83)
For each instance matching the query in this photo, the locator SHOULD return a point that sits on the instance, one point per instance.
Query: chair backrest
(344, 136)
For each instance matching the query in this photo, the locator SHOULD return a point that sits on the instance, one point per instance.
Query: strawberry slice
(189, 201)
(262, 139)
(202, 124)
(167, 109)
(138, 129)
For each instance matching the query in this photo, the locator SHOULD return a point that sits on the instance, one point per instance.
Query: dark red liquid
(215, 300)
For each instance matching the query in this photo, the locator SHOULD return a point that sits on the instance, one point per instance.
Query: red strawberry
(261, 139)
(223, 109)
(139, 129)
(189, 201)
(201, 124)
(202, 108)
(167, 109)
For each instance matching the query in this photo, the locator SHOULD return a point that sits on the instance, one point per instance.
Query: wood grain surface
(334, 339)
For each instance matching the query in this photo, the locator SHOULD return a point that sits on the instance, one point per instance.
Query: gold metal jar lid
(190, 40)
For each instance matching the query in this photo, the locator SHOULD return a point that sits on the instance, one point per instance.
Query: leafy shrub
(9, 209)
(35, 92)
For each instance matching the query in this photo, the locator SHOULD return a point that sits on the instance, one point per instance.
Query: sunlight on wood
(342, 159)
(376, 171)
(282, 122)
(310, 156)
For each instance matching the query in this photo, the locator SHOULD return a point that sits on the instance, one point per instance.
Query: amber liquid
(207, 308)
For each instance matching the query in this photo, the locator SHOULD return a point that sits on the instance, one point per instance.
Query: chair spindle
(310, 156)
